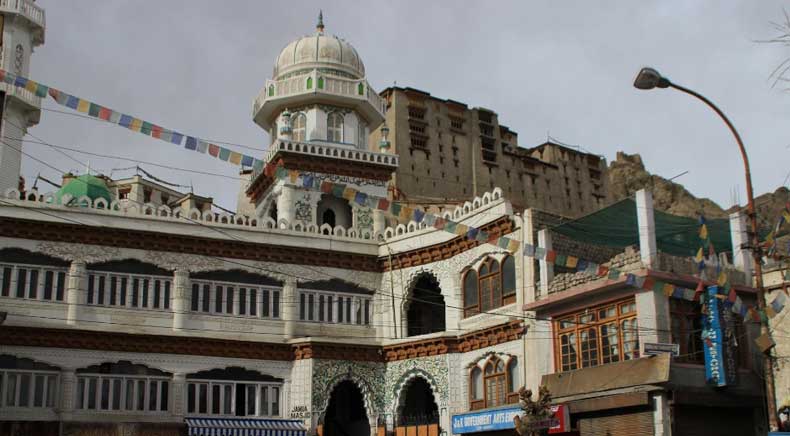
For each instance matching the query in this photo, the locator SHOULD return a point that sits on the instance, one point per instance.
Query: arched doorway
(334, 211)
(425, 312)
(345, 415)
(417, 405)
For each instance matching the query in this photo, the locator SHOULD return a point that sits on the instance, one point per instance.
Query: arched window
(476, 400)
(298, 126)
(361, 89)
(471, 295)
(491, 286)
(362, 137)
(309, 83)
(334, 127)
(509, 277)
(271, 90)
(495, 383)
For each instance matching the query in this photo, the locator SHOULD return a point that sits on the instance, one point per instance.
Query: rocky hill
(627, 174)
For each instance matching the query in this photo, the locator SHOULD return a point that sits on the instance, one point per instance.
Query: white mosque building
(129, 308)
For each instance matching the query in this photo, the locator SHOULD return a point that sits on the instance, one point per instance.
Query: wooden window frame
(509, 397)
(573, 324)
(491, 278)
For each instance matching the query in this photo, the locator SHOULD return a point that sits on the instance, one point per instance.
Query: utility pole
(648, 78)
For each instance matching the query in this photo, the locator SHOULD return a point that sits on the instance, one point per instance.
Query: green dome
(85, 185)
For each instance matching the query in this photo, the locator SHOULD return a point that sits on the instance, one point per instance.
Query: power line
(129, 159)
(492, 312)
(163, 129)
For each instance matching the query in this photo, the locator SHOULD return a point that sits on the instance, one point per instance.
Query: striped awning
(244, 427)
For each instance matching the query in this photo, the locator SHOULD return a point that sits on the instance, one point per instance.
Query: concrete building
(450, 153)
(590, 341)
(776, 280)
(22, 26)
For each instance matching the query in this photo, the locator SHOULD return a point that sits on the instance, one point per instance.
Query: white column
(285, 208)
(236, 302)
(742, 258)
(290, 306)
(652, 311)
(179, 394)
(528, 271)
(546, 268)
(648, 249)
(379, 221)
(68, 382)
(76, 290)
(180, 303)
(662, 422)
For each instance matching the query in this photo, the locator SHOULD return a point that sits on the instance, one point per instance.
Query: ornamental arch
(424, 309)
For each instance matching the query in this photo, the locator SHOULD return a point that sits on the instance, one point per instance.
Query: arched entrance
(334, 212)
(345, 415)
(417, 405)
(425, 311)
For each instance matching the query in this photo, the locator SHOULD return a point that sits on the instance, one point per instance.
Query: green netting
(617, 226)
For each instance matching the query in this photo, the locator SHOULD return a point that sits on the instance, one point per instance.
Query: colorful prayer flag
(513, 245)
(571, 261)
(94, 110)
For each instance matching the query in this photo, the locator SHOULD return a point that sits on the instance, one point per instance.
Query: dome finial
(320, 26)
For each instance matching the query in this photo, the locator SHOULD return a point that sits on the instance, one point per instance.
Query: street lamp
(649, 78)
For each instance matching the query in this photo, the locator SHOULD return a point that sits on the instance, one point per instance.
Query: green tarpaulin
(616, 226)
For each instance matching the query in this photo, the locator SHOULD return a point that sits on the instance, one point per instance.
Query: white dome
(320, 50)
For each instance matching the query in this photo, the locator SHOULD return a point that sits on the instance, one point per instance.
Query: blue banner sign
(713, 339)
(497, 419)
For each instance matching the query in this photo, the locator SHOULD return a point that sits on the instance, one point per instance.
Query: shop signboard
(562, 419)
(486, 420)
(502, 419)
(652, 348)
(720, 365)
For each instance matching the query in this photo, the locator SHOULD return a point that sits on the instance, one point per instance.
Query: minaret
(22, 25)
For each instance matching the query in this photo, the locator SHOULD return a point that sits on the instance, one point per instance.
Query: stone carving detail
(364, 218)
(79, 252)
(348, 180)
(303, 209)
(328, 109)
(283, 272)
(368, 376)
(433, 369)
(189, 262)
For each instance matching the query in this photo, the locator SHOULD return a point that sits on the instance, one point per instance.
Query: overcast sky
(563, 69)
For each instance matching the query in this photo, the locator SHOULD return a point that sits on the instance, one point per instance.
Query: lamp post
(649, 78)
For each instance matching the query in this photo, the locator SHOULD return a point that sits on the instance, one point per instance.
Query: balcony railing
(320, 84)
(331, 151)
(26, 8)
(22, 94)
